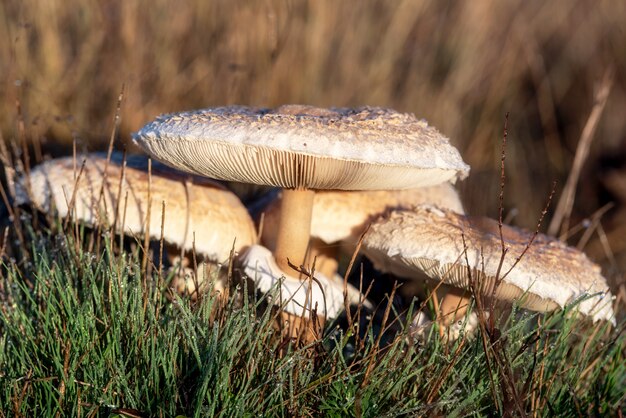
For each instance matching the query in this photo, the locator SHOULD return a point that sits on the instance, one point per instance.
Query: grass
(89, 334)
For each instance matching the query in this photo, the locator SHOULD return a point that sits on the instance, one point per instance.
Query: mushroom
(439, 244)
(339, 217)
(199, 213)
(302, 149)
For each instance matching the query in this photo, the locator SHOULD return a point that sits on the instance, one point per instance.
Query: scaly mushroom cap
(303, 147)
(430, 241)
(214, 214)
(340, 216)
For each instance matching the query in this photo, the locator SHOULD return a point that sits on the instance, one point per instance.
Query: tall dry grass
(459, 65)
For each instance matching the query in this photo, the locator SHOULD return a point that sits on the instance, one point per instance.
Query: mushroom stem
(325, 257)
(294, 227)
(306, 329)
(453, 306)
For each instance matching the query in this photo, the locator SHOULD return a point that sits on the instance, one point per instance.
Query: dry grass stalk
(566, 202)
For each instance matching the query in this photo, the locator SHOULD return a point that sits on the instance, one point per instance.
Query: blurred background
(460, 65)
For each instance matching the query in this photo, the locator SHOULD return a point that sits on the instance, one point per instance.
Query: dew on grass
(61, 242)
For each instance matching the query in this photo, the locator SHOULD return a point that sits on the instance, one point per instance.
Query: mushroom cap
(213, 214)
(296, 146)
(428, 240)
(342, 216)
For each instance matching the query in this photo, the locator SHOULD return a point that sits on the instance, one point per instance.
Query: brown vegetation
(460, 66)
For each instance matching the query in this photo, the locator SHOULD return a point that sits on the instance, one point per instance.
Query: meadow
(87, 330)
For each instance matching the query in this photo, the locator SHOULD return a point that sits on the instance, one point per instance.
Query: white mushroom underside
(258, 165)
(298, 296)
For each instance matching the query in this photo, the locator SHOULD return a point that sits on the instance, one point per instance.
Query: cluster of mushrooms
(342, 172)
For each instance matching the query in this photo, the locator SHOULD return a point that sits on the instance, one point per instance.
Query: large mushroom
(303, 149)
(440, 245)
(199, 214)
